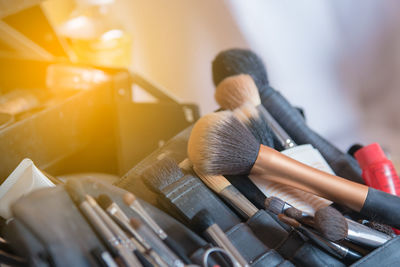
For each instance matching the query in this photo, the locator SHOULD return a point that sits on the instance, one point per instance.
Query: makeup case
(263, 226)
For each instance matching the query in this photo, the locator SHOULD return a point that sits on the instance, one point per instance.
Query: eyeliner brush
(135, 205)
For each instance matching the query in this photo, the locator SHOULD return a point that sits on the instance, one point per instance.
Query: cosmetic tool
(121, 219)
(339, 251)
(242, 61)
(168, 255)
(249, 116)
(220, 185)
(135, 205)
(102, 228)
(204, 223)
(334, 226)
(220, 144)
(186, 194)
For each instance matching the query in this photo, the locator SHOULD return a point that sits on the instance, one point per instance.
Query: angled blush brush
(220, 144)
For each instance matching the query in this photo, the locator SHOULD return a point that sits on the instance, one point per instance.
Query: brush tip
(236, 61)
(104, 201)
(135, 223)
(129, 198)
(235, 91)
(294, 213)
(202, 220)
(274, 205)
(161, 174)
(220, 144)
(331, 223)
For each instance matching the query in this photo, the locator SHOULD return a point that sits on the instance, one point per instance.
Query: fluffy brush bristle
(220, 144)
(161, 174)
(216, 182)
(236, 61)
(257, 124)
(235, 91)
(331, 224)
(294, 213)
(274, 205)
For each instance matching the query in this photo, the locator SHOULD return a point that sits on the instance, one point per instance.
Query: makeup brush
(236, 61)
(339, 251)
(235, 91)
(112, 242)
(168, 255)
(203, 222)
(334, 226)
(186, 193)
(278, 206)
(248, 115)
(135, 205)
(241, 61)
(220, 185)
(120, 217)
(220, 144)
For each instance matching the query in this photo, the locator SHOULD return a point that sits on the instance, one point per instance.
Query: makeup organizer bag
(49, 230)
(275, 235)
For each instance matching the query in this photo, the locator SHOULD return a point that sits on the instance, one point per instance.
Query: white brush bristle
(235, 91)
(220, 144)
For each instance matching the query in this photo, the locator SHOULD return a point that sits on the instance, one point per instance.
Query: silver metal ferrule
(239, 201)
(283, 137)
(221, 240)
(363, 235)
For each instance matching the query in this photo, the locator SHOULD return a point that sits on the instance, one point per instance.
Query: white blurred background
(338, 60)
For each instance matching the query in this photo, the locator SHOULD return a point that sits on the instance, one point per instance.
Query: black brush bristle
(261, 131)
(274, 205)
(202, 220)
(104, 201)
(161, 174)
(239, 61)
(331, 224)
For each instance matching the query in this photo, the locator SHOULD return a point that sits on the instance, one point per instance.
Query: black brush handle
(142, 259)
(382, 207)
(352, 256)
(294, 124)
(178, 251)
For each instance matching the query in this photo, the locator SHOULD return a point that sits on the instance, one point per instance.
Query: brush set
(248, 185)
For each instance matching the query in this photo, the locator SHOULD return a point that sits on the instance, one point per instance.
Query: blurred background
(338, 60)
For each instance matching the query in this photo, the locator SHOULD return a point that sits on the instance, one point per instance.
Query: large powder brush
(220, 144)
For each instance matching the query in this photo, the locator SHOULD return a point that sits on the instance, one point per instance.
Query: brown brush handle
(274, 166)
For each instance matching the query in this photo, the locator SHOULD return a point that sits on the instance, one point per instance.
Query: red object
(377, 170)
